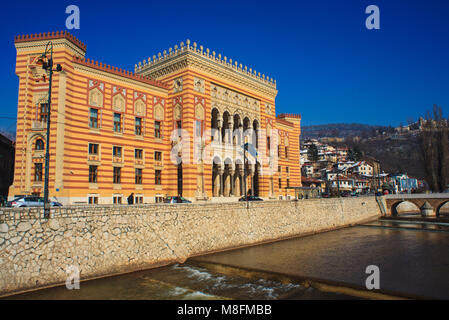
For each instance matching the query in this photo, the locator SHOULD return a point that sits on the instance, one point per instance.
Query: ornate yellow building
(177, 125)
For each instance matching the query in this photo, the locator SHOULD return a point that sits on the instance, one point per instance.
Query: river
(412, 259)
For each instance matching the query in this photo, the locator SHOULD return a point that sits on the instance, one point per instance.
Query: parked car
(345, 194)
(3, 202)
(176, 200)
(250, 198)
(325, 195)
(31, 201)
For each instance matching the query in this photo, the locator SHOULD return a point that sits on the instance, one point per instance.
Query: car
(325, 195)
(176, 200)
(3, 201)
(31, 201)
(250, 198)
(345, 194)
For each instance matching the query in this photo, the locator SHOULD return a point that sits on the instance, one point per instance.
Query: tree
(355, 154)
(312, 153)
(434, 149)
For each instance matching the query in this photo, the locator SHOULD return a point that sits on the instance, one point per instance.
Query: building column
(238, 181)
(229, 136)
(232, 178)
(227, 183)
(220, 174)
(219, 122)
(251, 173)
(216, 184)
(241, 132)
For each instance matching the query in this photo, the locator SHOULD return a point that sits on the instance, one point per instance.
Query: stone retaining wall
(104, 240)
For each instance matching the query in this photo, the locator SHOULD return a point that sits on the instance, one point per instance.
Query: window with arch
(39, 145)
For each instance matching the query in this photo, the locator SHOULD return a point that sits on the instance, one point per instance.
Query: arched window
(39, 144)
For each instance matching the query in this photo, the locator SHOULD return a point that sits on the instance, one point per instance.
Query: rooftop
(118, 71)
(50, 36)
(211, 56)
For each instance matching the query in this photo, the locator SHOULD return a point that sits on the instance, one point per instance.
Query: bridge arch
(397, 210)
(440, 206)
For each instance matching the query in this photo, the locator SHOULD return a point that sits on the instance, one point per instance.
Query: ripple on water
(233, 286)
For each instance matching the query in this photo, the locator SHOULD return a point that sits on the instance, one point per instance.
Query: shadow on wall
(7, 148)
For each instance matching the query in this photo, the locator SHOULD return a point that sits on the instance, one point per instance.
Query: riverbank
(106, 240)
(329, 265)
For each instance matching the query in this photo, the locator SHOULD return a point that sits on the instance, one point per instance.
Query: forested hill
(341, 130)
(398, 153)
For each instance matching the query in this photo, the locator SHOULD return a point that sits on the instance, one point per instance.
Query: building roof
(50, 36)
(118, 71)
(163, 62)
(287, 123)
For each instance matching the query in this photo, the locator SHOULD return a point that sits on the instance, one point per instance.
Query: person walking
(131, 198)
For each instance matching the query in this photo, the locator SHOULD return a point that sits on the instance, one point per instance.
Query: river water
(412, 257)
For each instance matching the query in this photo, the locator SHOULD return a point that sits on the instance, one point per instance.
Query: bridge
(429, 204)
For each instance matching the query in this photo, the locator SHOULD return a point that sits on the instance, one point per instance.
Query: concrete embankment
(106, 240)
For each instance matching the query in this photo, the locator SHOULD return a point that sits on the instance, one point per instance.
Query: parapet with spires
(212, 56)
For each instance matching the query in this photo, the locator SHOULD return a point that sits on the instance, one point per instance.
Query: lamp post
(48, 65)
(378, 175)
(245, 147)
(338, 180)
(202, 146)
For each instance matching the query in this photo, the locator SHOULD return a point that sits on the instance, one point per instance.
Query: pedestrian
(131, 198)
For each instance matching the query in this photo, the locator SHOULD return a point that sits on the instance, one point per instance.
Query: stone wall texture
(105, 240)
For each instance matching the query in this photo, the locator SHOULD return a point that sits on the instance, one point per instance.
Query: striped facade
(175, 126)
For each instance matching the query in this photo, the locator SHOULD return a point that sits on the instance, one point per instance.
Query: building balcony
(117, 159)
(38, 125)
(93, 158)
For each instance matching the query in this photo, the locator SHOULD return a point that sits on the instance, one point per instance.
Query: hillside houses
(334, 169)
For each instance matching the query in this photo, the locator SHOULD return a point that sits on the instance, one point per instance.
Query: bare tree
(434, 146)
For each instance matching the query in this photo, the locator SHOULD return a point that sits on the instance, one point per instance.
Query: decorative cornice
(289, 115)
(284, 122)
(118, 71)
(50, 36)
(191, 55)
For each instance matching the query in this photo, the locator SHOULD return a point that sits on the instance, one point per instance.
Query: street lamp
(245, 147)
(47, 64)
(202, 146)
(338, 179)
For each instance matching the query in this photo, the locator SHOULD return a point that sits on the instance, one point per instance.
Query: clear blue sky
(328, 66)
